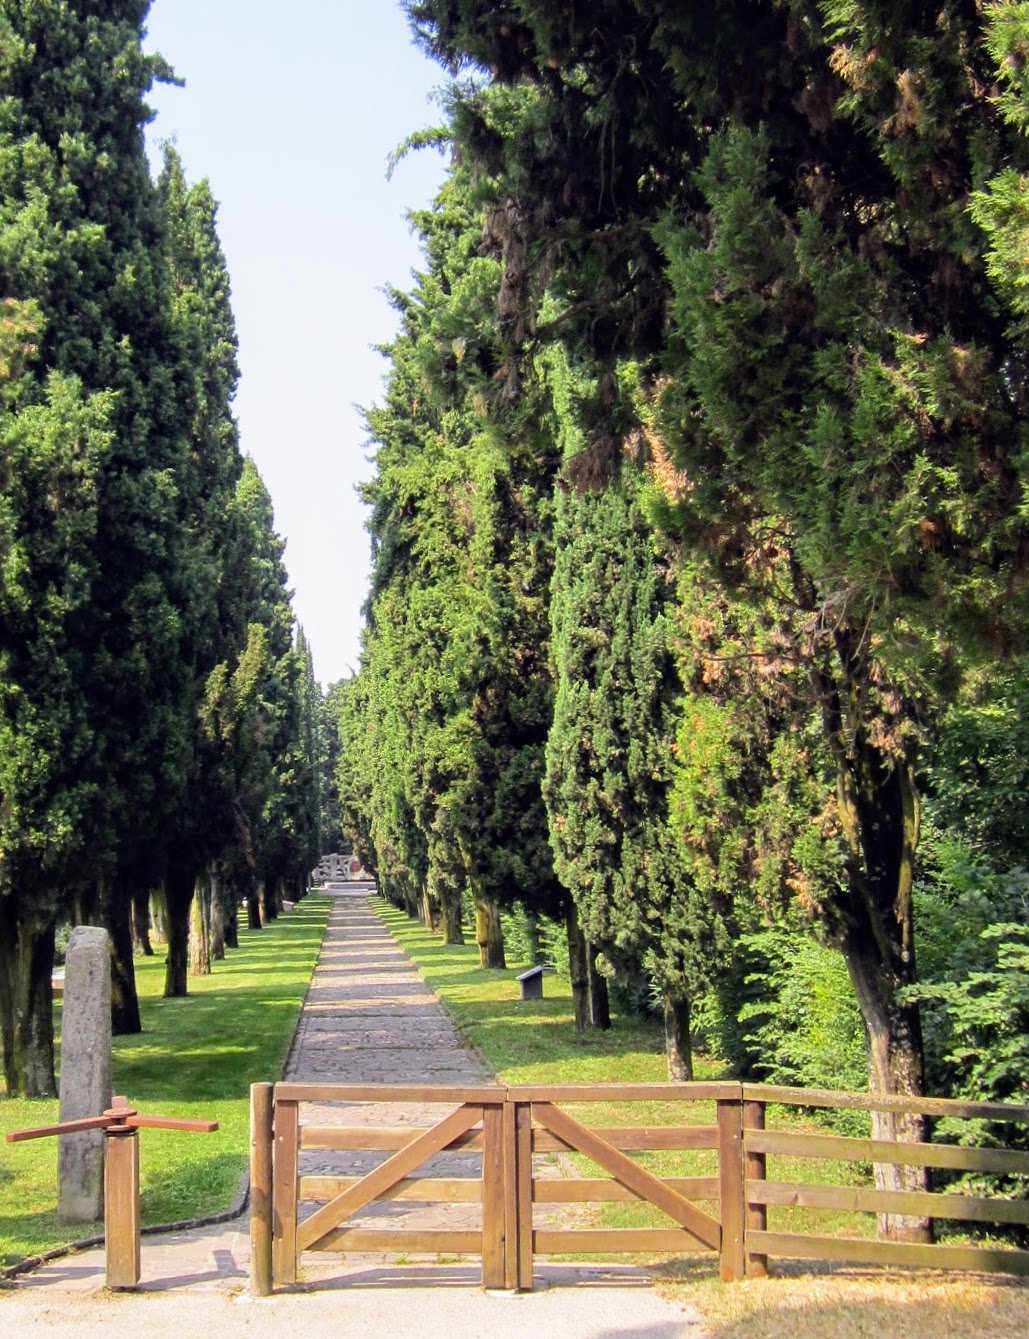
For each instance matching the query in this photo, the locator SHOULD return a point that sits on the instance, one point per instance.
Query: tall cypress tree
(81, 240)
(772, 218)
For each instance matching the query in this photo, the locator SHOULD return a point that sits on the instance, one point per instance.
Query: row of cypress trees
(698, 519)
(153, 704)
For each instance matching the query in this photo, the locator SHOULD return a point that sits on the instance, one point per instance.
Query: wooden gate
(512, 1133)
(504, 1127)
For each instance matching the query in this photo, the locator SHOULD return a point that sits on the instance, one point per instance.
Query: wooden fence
(507, 1197)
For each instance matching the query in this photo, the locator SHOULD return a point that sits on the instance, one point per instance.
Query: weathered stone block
(85, 1073)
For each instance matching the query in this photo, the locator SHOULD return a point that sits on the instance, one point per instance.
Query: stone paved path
(369, 1017)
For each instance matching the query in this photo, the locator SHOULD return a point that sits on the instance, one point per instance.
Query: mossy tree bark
(26, 1002)
(873, 922)
(116, 900)
(678, 1046)
(489, 933)
(179, 886)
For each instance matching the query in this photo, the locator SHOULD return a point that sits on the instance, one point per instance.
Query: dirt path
(368, 1017)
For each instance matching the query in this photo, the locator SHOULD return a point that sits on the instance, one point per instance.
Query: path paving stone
(369, 1017)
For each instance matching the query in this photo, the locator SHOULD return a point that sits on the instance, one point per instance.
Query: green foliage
(988, 1013)
(804, 1028)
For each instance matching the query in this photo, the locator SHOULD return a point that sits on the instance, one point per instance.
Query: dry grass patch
(854, 1304)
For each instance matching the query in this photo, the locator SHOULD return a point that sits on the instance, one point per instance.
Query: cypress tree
(772, 219)
(81, 261)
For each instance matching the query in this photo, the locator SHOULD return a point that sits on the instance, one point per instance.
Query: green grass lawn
(535, 1041)
(196, 1057)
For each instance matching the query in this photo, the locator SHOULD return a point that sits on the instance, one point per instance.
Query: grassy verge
(536, 1042)
(196, 1057)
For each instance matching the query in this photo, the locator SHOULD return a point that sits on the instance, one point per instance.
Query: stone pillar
(85, 1073)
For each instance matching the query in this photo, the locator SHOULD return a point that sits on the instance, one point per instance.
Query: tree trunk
(678, 1049)
(266, 895)
(141, 922)
(253, 901)
(430, 910)
(230, 905)
(217, 916)
(874, 925)
(200, 929)
(600, 1005)
(578, 967)
(445, 892)
(532, 936)
(86, 906)
(410, 900)
(489, 933)
(893, 1037)
(453, 928)
(117, 911)
(179, 887)
(26, 1001)
(158, 916)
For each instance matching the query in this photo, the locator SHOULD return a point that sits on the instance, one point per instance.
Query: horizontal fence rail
(793, 1189)
(509, 1188)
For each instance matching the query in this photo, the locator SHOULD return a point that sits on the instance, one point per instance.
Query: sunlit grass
(852, 1303)
(536, 1042)
(196, 1057)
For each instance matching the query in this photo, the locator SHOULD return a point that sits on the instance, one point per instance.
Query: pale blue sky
(291, 112)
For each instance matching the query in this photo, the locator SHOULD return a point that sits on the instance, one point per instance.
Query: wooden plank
(261, 1141)
(626, 1171)
(284, 1193)
(64, 1127)
(121, 1209)
(925, 1106)
(482, 1094)
(383, 1138)
(492, 1192)
(791, 1245)
(172, 1123)
(609, 1241)
(866, 1200)
(887, 1151)
(755, 1215)
(636, 1139)
(628, 1139)
(583, 1190)
(730, 1181)
(624, 1092)
(426, 1189)
(509, 1139)
(523, 1192)
(409, 1241)
(384, 1176)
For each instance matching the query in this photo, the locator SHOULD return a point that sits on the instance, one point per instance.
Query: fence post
(523, 1125)
(121, 1201)
(284, 1192)
(730, 1177)
(261, 1109)
(754, 1170)
(493, 1207)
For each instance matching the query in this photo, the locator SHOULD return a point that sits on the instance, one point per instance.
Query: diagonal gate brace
(324, 1220)
(629, 1173)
